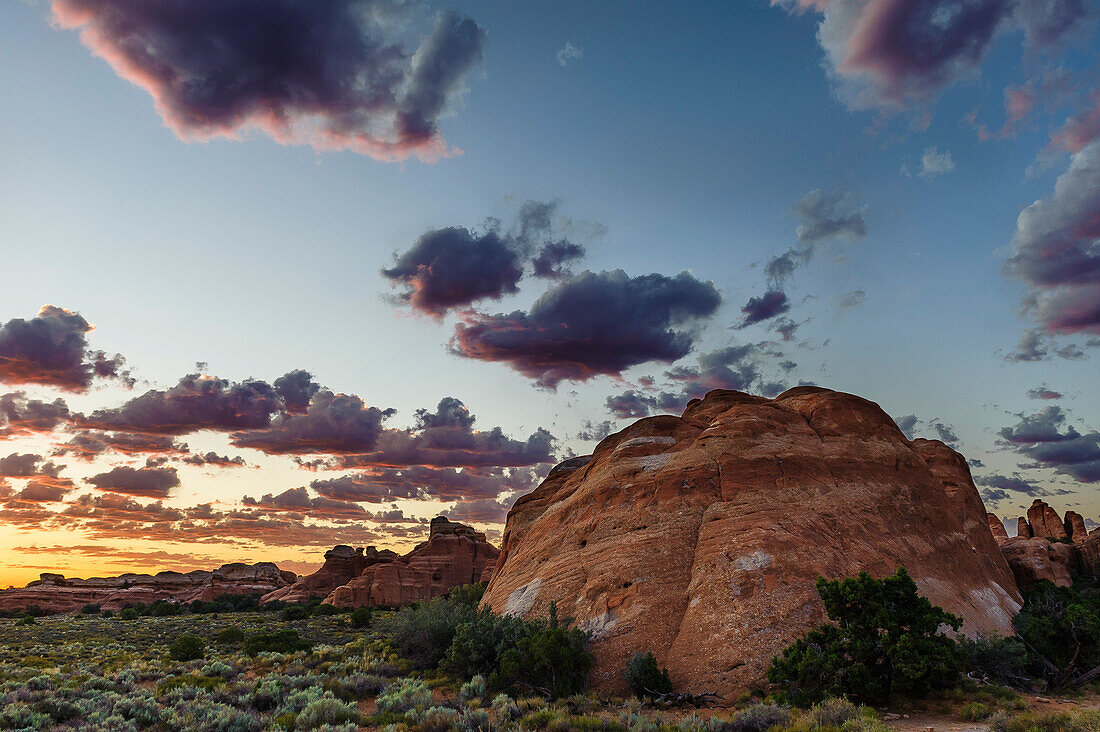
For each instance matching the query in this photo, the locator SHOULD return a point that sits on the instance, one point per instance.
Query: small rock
(891, 716)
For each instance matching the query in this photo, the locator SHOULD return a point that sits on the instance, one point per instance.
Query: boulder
(53, 593)
(700, 537)
(453, 555)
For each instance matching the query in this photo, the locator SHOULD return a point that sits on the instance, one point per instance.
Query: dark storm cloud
(51, 349)
(897, 53)
(592, 324)
(630, 404)
(482, 511)
(1043, 426)
(992, 495)
(454, 267)
(552, 257)
(296, 388)
(1043, 392)
(88, 444)
(457, 447)
(333, 423)
(1051, 443)
(334, 74)
(197, 402)
(1014, 483)
(298, 500)
(27, 465)
(141, 482)
(382, 485)
(22, 416)
(1055, 251)
(765, 307)
(213, 459)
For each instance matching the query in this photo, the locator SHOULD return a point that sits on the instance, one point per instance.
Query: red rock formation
(700, 537)
(1032, 555)
(55, 594)
(996, 527)
(453, 555)
(342, 565)
(1045, 521)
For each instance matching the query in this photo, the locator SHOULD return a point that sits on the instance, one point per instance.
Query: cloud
(298, 501)
(197, 402)
(453, 267)
(933, 163)
(894, 54)
(296, 388)
(383, 485)
(592, 324)
(27, 465)
(1043, 392)
(213, 459)
(908, 425)
(911, 426)
(1051, 443)
(51, 349)
(22, 416)
(820, 219)
(631, 404)
(568, 53)
(333, 423)
(852, 299)
(1035, 345)
(88, 444)
(334, 75)
(1055, 251)
(140, 482)
(765, 307)
(595, 431)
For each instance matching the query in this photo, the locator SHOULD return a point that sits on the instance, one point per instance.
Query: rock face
(55, 594)
(700, 537)
(1048, 548)
(453, 555)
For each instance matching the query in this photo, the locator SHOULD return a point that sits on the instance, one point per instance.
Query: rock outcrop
(453, 555)
(700, 537)
(1048, 548)
(53, 593)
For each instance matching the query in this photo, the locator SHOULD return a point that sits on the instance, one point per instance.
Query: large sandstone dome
(700, 537)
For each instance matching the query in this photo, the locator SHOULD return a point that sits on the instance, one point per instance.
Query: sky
(282, 275)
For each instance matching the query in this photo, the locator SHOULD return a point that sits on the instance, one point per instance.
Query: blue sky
(678, 138)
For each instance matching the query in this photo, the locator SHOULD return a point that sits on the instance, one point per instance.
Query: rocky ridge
(53, 593)
(453, 555)
(1048, 547)
(700, 537)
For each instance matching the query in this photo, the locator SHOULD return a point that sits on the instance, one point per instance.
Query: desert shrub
(434, 719)
(997, 659)
(187, 648)
(20, 716)
(280, 641)
(293, 613)
(884, 638)
(1077, 721)
(26, 619)
(477, 720)
(90, 609)
(230, 637)
(645, 678)
(106, 614)
(1061, 628)
(757, 718)
(219, 669)
(361, 617)
(468, 594)
(404, 695)
(478, 645)
(58, 709)
(975, 712)
(554, 660)
(128, 613)
(475, 688)
(326, 710)
(831, 712)
(423, 632)
(164, 609)
(325, 609)
(504, 708)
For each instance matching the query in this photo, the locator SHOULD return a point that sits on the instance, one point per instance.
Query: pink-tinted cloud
(20, 416)
(51, 349)
(140, 482)
(334, 75)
